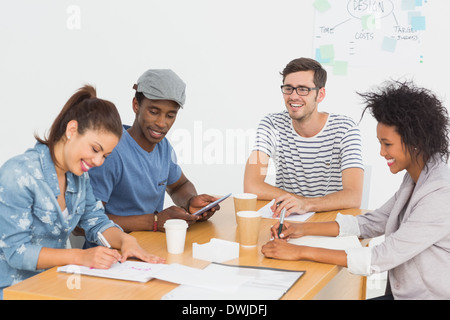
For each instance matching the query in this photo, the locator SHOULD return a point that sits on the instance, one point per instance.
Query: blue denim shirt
(30, 217)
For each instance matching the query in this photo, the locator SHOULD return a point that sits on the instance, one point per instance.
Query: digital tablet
(211, 205)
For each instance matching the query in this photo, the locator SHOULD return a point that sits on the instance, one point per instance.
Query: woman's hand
(294, 230)
(99, 257)
(280, 249)
(131, 248)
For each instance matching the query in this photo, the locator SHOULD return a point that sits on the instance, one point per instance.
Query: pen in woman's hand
(280, 228)
(104, 242)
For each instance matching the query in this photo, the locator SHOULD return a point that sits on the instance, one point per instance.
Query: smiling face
(84, 151)
(301, 108)
(154, 118)
(393, 150)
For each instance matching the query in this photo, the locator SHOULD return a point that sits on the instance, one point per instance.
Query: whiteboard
(365, 33)
(229, 53)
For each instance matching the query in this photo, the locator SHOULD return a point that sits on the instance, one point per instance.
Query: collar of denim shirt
(49, 171)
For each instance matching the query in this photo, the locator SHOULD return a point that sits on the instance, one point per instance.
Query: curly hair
(418, 116)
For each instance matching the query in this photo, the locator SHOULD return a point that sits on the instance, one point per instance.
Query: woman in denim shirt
(45, 193)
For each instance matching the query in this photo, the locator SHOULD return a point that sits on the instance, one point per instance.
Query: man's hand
(175, 212)
(198, 202)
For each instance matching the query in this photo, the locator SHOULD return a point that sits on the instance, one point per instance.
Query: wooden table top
(53, 285)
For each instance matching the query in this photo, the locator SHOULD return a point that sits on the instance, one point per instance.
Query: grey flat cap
(162, 84)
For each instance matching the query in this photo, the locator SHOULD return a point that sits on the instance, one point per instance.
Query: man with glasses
(317, 155)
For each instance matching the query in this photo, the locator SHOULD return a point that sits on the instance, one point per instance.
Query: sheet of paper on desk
(266, 212)
(264, 284)
(176, 273)
(335, 243)
(128, 270)
(205, 279)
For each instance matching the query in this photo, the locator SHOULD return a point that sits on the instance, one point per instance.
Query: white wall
(229, 53)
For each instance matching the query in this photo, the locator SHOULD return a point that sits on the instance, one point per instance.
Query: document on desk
(128, 270)
(335, 243)
(266, 212)
(176, 273)
(203, 279)
(262, 284)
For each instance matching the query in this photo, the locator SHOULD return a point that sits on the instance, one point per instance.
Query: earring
(68, 137)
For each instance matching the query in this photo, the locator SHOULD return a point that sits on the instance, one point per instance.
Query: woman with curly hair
(413, 128)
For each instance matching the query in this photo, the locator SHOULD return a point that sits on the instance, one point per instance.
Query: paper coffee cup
(248, 225)
(244, 202)
(175, 235)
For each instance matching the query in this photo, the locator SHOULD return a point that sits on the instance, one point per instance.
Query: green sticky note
(322, 5)
(327, 51)
(340, 68)
(369, 22)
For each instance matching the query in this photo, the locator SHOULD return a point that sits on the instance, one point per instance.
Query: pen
(278, 204)
(280, 228)
(104, 242)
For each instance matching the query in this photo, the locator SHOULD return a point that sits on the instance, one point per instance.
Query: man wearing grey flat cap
(134, 179)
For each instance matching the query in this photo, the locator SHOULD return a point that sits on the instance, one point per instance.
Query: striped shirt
(310, 167)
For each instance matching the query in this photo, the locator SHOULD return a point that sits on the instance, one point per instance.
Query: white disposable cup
(175, 235)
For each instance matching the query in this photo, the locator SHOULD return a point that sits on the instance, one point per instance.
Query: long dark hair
(418, 116)
(90, 112)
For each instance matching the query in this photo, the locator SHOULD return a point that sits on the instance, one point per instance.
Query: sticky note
(370, 22)
(321, 5)
(320, 59)
(389, 44)
(408, 5)
(327, 51)
(413, 14)
(418, 23)
(340, 68)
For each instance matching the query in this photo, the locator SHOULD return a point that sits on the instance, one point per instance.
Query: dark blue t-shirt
(133, 181)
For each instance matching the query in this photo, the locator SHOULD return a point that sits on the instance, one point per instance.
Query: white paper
(266, 212)
(202, 278)
(335, 243)
(128, 270)
(217, 250)
(176, 273)
(265, 284)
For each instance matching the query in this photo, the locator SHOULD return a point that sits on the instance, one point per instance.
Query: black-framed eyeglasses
(301, 91)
